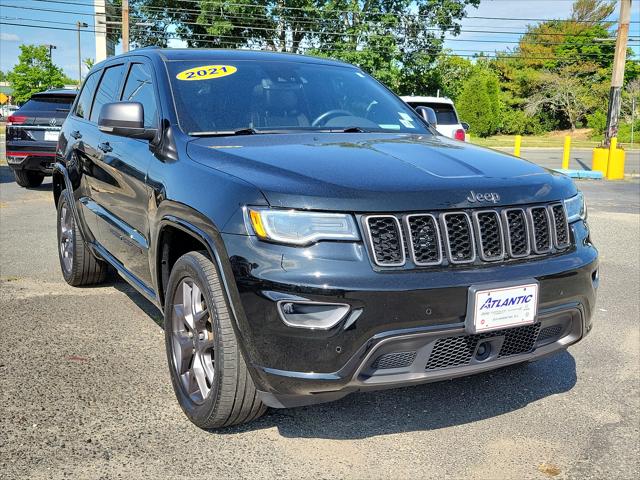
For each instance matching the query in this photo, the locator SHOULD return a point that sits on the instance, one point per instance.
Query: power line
(351, 12)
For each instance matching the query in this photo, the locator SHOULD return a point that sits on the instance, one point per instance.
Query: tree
(394, 40)
(3, 76)
(479, 102)
(34, 73)
(565, 95)
(89, 63)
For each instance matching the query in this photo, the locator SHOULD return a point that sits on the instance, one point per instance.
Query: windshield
(273, 96)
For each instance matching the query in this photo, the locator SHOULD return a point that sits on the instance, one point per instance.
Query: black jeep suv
(307, 234)
(32, 133)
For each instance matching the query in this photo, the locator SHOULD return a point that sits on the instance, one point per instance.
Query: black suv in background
(32, 135)
(307, 234)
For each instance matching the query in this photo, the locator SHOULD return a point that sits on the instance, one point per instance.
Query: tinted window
(83, 107)
(139, 88)
(284, 95)
(445, 113)
(48, 103)
(108, 89)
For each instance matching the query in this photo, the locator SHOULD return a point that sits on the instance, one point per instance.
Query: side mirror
(465, 126)
(428, 114)
(125, 119)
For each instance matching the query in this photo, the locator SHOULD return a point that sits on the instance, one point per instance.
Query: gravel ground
(85, 391)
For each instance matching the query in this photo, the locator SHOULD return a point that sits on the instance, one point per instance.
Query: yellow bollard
(615, 165)
(599, 160)
(516, 147)
(566, 152)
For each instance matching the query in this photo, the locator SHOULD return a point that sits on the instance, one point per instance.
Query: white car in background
(448, 123)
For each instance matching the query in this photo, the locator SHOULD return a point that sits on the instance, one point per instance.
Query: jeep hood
(376, 172)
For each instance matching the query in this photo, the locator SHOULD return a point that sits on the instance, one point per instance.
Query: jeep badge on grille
(483, 197)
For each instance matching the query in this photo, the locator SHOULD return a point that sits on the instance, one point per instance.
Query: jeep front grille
(467, 237)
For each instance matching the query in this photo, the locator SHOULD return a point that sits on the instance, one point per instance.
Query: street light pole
(617, 77)
(80, 25)
(51, 47)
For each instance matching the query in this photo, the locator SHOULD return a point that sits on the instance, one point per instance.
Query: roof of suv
(409, 98)
(57, 91)
(207, 54)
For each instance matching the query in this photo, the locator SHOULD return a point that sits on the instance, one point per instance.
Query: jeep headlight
(576, 207)
(301, 228)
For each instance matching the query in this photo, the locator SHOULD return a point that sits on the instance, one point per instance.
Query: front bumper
(414, 318)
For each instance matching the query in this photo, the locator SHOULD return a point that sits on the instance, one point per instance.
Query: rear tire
(208, 373)
(79, 266)
(25, 178)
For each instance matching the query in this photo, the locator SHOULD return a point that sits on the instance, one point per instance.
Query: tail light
(16, 119)
(459, 135)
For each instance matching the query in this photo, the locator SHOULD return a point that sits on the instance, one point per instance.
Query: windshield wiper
(231, 133)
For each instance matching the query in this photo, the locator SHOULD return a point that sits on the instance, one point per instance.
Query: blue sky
(65, 54)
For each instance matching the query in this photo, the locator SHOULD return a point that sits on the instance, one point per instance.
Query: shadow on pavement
(423, 407)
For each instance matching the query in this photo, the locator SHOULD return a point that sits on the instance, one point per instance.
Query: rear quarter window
(445, 113)
(83, 107)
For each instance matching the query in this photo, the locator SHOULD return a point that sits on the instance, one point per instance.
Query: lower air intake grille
(457, 351)
(394, 360)
(549, 332)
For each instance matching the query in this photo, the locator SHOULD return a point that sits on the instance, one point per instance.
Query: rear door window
(108, 90)
(445, 113)
(83, 107)
(139, 88)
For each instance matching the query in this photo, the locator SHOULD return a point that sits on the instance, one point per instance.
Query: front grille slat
(424, 239)
(489, 233)
(516, 234)
(386, 240)
(458, 239)
(541, 239)
(560, 226)
(498, 234)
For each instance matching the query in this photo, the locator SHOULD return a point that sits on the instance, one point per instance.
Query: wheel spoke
(182, 352)
(187, 305)
(200, 375)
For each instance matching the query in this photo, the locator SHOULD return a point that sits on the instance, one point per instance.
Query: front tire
(79, 266)
(208, 373)
(28, 179)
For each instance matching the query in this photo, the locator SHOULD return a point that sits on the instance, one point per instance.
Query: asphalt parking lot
(85, 391)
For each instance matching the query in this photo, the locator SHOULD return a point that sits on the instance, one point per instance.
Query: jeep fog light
(312, 315)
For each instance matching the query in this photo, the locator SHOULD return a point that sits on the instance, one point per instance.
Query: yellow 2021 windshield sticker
(206, 72)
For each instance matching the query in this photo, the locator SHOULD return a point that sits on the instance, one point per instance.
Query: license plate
(51, 136)
(501, 306)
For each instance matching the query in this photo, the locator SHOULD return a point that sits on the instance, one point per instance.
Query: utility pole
(617, 77)
(80, 25)
(125, 26)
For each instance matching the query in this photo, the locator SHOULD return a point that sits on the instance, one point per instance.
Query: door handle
(105, 147)
(76, 134)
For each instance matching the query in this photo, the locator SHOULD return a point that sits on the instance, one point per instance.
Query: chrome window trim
(505, 212)
(365, 220)
(443, 220)
(476, 225)
(532, 229)
(407, 220)
(558, 245)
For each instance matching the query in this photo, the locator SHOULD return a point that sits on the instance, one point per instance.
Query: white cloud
(9, 37)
